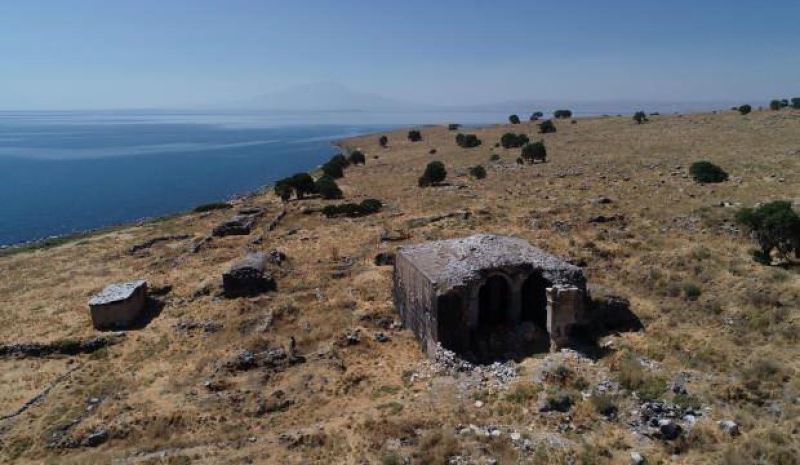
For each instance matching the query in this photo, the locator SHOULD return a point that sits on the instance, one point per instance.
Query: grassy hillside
(177, 391)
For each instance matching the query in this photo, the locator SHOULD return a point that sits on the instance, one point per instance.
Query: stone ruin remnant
(118, 305)
(248, 277)
(240, 224)
(488, 296)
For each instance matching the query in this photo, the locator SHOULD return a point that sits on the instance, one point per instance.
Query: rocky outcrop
(248, 277)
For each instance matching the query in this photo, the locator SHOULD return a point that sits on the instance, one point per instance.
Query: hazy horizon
(91, 54)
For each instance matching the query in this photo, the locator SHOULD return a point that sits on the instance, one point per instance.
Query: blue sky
(173, 53)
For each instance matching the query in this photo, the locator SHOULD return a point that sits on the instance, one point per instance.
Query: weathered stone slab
(248, 277)
(118, 305)
(239, 225)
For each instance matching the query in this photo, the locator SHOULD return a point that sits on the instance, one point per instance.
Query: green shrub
(511, 140)
(300, 184)
(434, 173)
(707, 172)
(353, 210)
(327, 188)
(453, 127)
(467, 140)
(745, 109)
(494, 157)
(283, 189)
(477, 172)
(691, 291)
(357, 158)
(640, 117)
(534, 152)
(546, 126)
(207, 207)
(513, 119)
(796, 103)
(562, 114)
(414, 135)
(775, 226)
(383, 141)
(536, 115)
(775, 105)
(333, 170)
(520, 161)
(340, 160)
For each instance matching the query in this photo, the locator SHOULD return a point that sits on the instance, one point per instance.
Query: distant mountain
(325, 96)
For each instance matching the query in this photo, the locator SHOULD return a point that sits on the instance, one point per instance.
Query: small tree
(796, 103)
(303, 184)
(283, 189)
(775, 226)
(477, 172)
(434, 173)
(536, 115)
(534, 152)
(707, 172)
(414, 135)
(467, 140)
(357, 157)
(383, 141)
(453, 127)
(513, 119)
(333, 169)
(562, 114)
(546, 126)
(327, 188)
(775, 105)
(745, 109)
(640, 117)
(511, 140)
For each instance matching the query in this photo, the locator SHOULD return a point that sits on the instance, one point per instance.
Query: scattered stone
(60, 347)
(637, 459)
(478, 404)
(118, 305)
(729, 427)
(207, 326)
(239, 225)
(381, 337)
(276, 257)
(199, 244)
(393, 236)
(669, 430)
(248, 277)
(606, 219)
(96, 438)
(602, 200)
(149, 243)
(418, 222)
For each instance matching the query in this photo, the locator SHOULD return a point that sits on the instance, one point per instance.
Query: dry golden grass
(355, 404)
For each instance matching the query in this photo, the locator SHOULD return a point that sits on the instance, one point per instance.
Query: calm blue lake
(71, 171)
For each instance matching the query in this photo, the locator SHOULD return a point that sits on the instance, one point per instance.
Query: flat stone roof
(116, 292)
(454, 262)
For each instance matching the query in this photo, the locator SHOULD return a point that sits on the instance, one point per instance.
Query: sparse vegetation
(383, 141)
(562, 114)
(640, 117)
(353, 210)
(434, 173)
(707, 172)
(414, 135)
(744, 109)
(536, 115)
(357, 158)
(511, 140)
(514, 119)
(327, 188)
(467, 140)
(534, 152)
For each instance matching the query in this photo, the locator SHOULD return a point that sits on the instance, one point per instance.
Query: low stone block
(248, 277)
(118, 305)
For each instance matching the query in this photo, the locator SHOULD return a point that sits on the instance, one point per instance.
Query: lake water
(63, 172)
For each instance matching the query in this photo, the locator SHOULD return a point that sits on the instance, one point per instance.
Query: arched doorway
(494, 300)
(534, 300)
(450, 326)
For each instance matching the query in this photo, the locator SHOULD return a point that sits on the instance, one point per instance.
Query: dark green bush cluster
(513, 119)
(640, 117)
(745, 109)
(467, 140)
(774, 225)
(511, 140)
(534, 152)
(414, 135)
(477, 172)
(796, 103)
(327, 188)
(383, 141)
(494, 157)
(357, 157)
(207, 207)
(353, 210)
(778, 104)
(299, 184)
(453, 127)
(335, 166)
(707, 172)
(562, 114)
(434, 173)
(536, 115)
(546, 126)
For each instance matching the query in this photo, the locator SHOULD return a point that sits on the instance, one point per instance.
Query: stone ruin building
(488, 296)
